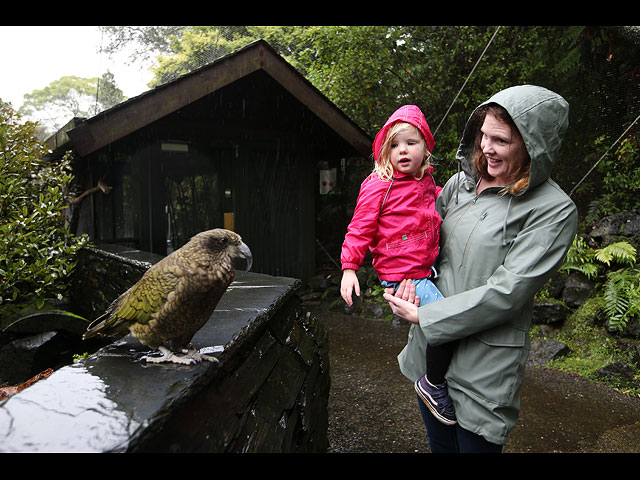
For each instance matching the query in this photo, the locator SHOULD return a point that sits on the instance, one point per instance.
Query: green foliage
(591, 348)
(620, 175)
(37, 251)
(77, 357)
(620, 252)
(619, 179)
(622, 287)
(189, 48)
(584, 259)
(622, 297)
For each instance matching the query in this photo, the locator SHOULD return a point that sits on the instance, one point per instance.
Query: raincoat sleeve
(363, 226)
(535, 254)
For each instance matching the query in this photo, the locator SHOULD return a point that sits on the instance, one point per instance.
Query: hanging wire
(604, 155)
(95, 108)
(465, 82)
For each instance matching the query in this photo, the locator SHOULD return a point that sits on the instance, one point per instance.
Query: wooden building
(239, 143)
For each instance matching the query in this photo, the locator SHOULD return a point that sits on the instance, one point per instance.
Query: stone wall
(268, 392)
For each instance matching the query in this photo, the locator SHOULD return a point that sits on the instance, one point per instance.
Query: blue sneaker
(437, 399)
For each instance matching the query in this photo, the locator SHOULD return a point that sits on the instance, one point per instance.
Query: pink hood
(409, 114)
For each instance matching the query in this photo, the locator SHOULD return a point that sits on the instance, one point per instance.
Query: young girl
(395, 218)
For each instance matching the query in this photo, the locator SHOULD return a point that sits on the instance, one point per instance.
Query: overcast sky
(34, 56)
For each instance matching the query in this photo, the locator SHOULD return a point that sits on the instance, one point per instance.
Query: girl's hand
(404, 303)
(348, 285)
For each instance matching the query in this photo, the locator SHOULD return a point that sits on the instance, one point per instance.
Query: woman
(506, 227)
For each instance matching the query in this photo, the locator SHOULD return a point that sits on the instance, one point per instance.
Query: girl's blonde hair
(383, 166)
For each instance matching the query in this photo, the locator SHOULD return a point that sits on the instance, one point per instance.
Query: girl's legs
(453, 438)
(438, 359)
(432, 387)
(442, 438)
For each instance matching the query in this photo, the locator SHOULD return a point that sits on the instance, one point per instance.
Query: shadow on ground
(373, 407)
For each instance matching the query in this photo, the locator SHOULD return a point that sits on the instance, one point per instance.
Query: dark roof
(88, 135)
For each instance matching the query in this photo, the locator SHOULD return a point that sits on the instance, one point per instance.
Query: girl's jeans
(453, 438)
(425, 289)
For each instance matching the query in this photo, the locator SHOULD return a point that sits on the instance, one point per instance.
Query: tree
(70, 97)
(146, 41)
(199, 45)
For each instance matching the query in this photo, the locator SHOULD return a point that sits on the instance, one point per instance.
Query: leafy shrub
(37, 250)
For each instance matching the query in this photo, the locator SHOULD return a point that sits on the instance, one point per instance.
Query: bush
(37, 251)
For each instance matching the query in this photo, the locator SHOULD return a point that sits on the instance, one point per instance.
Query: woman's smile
(503, 148)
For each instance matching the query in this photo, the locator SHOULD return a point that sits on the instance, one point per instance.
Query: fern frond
(621, 252)
(622, 296)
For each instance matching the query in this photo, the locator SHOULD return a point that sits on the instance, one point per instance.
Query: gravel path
(372, 406)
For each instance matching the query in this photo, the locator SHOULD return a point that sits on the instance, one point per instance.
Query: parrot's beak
(243, 251)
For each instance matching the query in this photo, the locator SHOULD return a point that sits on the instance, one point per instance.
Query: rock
(632, 349)
(577, 289)
(631, 329)
(618, 372)
(356, 307)
(376, 310)
(544, 350)
(319, 283)
(17, 358)
(626, 224)
(555, 285)
(549, 312)
(310, 296)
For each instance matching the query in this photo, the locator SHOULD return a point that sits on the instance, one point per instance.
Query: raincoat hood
(542, 117)
(409, 114)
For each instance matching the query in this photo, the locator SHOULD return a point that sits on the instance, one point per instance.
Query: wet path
(372, 407)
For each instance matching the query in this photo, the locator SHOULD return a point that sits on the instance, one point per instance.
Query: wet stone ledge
(268, 393)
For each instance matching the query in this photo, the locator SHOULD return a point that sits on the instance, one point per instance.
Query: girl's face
(503, 148)
(407, 151)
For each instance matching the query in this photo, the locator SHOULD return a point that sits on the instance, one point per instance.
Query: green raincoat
(496, 253)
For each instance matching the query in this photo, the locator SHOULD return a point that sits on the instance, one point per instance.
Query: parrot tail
(96, 327)
(102, 326)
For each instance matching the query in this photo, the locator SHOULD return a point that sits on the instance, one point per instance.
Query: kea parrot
(176, 297)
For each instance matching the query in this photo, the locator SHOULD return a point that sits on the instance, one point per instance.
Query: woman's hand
(404, 303)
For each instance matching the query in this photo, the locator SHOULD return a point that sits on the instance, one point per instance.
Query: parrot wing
(138, 304)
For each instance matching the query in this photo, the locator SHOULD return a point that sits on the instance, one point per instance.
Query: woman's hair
(382, 165)
(480, 162)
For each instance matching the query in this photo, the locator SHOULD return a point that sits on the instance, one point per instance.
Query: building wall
(250, 162)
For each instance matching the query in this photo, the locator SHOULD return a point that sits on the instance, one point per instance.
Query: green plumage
(176, 296)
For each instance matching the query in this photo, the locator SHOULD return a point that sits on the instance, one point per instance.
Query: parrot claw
(191, 357)
(198, 357)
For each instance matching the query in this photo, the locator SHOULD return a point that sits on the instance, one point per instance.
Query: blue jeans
(425, 289)
(453, 438)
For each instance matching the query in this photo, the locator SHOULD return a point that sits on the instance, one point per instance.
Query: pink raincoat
(396, 220)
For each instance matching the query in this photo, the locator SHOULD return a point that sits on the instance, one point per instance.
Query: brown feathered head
(224, 242)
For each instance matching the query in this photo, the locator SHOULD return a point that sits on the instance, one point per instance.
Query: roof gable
(140, 111)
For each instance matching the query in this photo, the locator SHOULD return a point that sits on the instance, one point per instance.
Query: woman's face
(503, 148)
(407, 151)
